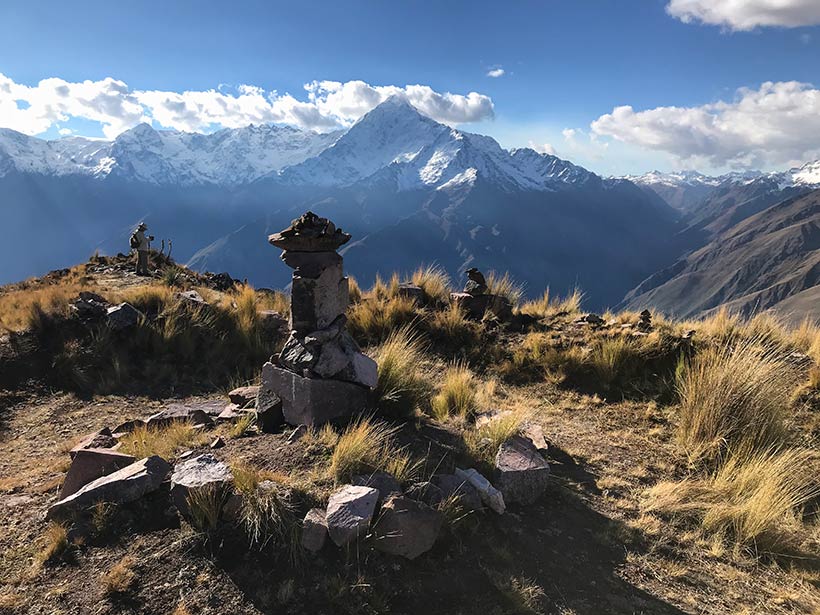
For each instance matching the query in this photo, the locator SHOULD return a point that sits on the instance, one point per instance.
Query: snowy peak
(808, 175)
(226, 157)
(396, 140)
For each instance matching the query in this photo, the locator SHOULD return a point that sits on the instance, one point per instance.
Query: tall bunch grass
(368, 445)
(733, 396)
(504, 286)
(434, 282)
(400, 387)
(456, 395)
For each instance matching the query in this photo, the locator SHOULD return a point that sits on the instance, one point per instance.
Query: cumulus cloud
(543, 148)
(329, 105)
(495, 72)
(777, 124)
(747, 14)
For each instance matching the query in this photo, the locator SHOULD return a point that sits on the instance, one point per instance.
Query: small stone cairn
(321, 376)
(476, 299)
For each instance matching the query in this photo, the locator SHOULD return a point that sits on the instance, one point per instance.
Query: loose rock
(453, 486)
(490, 496)
(99, 439)
(126, 485)
(522, 474)
(123, 316)
(383, 482)
(314, 530)
(406, 527)
(89, 464)
(244, 397)
(201, 472)
(349, 512)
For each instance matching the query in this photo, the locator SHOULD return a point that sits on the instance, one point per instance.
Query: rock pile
(476, 300)
(322, 375)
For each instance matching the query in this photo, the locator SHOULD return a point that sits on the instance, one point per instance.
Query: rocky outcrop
(476, 300)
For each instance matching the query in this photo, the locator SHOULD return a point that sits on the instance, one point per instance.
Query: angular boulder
(244, 397)
(489, 495)
(406, 527)
(201, 472)
(89, 464)
(535, 434)
(412, 292)
(314, 530)
(269, 416)
(522, 474)
(99, 439)
(476, 306)
(126, 485)
(123, 316)
(383, 482)
(349, 512)
(180, 413)
(314, 401)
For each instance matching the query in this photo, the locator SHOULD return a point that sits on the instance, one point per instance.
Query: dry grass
(366, 446)
(268, 510)
(483, 440)
(546, 307)
(456, 395)
(166, 442)
(451, 327)
(612, 360)
(54, 544)
(243, 425)
(806, 338)
(205, 506)
(756, 500)
(733, 397)
(435, 283)
(373, 319)
(524, 595)
(354, 290)
(120, 578)
(401, 387)
(504, 286)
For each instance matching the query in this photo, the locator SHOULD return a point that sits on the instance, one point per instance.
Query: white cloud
(543, 148)
(777, 124)
(747, 14)
(64, 132)
(495, 72)
(329, 104)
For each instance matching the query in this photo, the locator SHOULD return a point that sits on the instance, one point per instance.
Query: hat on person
(142, 227)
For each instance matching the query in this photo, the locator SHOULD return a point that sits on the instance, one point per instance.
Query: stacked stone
(476, 300)
(322, 374)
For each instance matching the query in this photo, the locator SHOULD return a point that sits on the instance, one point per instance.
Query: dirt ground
(584, 548)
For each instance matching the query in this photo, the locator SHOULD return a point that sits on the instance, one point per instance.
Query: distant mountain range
(409, 189)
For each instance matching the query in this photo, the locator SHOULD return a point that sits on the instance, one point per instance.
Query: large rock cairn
(322, 375)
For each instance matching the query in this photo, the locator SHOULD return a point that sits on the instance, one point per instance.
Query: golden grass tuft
(243, 425)
(547, 307)
(400, 387)
(268, 511)
(54, 544)
(366, 446)
(434, 281)
(374, 318)
(165, 441)
(733, 397)
(354, 290)
(120, 578)
(483, 440)
(205, 506)
(504, 286)
(451, 326)
(754, 499)
(456, 395)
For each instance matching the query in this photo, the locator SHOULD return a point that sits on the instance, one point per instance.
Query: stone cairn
(476, 300)
(321, 375)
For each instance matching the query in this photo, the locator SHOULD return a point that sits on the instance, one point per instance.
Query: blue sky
(567, 64)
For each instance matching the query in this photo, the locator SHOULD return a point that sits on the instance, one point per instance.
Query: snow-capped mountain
(166, 157)
(418, 152)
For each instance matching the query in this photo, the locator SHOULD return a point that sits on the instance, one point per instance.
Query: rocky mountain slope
(759, 256)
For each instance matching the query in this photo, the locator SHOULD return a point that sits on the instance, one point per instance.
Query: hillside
(761, 255)
(632, 517)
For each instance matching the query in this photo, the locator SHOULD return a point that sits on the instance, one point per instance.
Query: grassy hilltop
(684, 455)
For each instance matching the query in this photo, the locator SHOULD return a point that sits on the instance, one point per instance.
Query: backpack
(134, 241)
